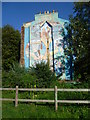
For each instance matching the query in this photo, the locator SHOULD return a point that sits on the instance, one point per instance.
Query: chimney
(53, 11)
(45, 12)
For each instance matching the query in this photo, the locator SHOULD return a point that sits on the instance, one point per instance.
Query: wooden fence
(45, 89)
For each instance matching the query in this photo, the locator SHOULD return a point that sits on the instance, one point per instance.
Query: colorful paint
(43, 40)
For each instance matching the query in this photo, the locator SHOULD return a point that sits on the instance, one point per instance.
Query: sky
(17, 13)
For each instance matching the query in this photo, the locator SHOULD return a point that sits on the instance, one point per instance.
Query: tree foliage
(78, 38)
(10, 46)
(0, 47)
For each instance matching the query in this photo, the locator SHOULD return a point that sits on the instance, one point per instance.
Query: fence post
(56, 104)
(16, 98)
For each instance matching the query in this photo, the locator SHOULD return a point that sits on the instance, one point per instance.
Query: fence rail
(45, 89)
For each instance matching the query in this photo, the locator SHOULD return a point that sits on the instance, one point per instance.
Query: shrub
(18, 76)
(38, 76)
(45, 76)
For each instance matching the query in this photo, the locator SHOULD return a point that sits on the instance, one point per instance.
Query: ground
(45, 110)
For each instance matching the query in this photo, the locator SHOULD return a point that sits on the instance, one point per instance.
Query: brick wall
(22, 47)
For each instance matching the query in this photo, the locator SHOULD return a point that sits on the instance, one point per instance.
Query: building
(42, 39)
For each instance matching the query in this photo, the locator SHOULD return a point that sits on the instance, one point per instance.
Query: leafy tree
(10, 46)
(0, 46)
(78, 38)
(0, 54)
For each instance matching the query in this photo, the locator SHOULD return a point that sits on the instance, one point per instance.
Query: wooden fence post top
(16, 86)
(55, 87)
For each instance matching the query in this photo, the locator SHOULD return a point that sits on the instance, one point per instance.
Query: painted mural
(43, 40)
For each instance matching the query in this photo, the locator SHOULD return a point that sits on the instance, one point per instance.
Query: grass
(32, 110)
(47, 110)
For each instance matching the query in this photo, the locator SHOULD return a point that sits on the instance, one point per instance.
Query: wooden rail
(45, 89)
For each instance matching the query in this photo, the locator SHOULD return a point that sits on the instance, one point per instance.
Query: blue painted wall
(27, 47)
(47, 27)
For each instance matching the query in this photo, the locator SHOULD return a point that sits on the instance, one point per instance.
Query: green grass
(47, 110)
(32, 110)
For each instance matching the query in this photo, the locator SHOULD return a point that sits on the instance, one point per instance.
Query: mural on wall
(58, 50)
(26, 46)
(46, 39)
(43, 40)
(27, 50)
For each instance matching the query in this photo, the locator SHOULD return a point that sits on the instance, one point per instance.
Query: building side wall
(43, 40)
(22, 47)
(27, 47)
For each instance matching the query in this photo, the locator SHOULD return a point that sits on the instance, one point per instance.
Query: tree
(0, 45)
(78, 38)
(10, 46)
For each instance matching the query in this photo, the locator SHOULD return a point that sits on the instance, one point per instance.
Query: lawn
(44, 110)
(47, 110)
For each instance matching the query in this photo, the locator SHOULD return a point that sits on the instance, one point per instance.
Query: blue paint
(26, 42)
(45, 28)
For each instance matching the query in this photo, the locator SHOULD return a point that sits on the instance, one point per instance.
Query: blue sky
(17, 13)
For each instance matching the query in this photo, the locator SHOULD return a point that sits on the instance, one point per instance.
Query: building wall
(43, 40)
(22, 47)
(27, 46)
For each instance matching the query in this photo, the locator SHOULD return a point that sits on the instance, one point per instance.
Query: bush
(38, 76)
(18, 76)
(45, 76)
